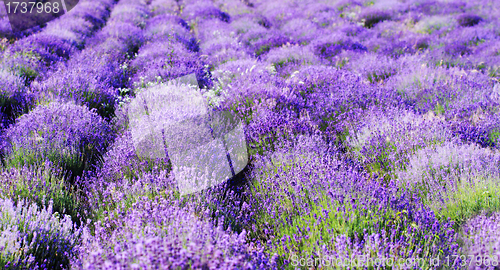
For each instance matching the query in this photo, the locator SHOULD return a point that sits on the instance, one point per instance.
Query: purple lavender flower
(386, 144)
(68, 135)
(166, 236)
(167, 26)
(5, 29)
(30, 56)
(34, 237)
(94, 12)
(121, 161)
(300, 31)
(50, 47)
(41, 186)
(332, 45)
(164, 7)
(293, 192)
(440, 170)
(132, 12)
(124, 32)
(15, 99)
(288, 58)
(434, 7)
(365, 123)
(203, 10)
(92, 76)
(456, 50)
(277, 12)
(166, 60)
(324, 15)
(480, 235)
(70, 83)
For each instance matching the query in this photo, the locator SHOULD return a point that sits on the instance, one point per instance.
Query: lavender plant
(386, 147)
(104, 60)
(481, 240)
(14, 97)
(41, 186)
(166, 237)
(372, 17)
(34, 237)
(68, 135)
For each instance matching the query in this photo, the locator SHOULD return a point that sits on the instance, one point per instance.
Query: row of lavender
(30, 57)
(39, 174)
(5, 28)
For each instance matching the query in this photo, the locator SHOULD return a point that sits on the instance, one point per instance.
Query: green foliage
(27, 73)
(469, 199)
(68, 159)
(378, 77)
(262, 50)
(439, 109)
(45, 188)
(494, 72)
(342, 62)
(104, 105)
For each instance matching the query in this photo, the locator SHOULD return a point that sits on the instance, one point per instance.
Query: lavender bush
(69, 135)
(41, 186)
(34, 238)
(104, 60)
(324, 201)
(15, 99)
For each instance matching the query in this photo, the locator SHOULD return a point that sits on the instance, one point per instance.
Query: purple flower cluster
(159, 234)
(42, 185)
(14, 96)
(312, 196)
(203, 10)
(28, 58)
(170, 51)
(92, 76)
(480, 235)
(34, 237)
(69, 135)
(63, 36)
(438, 170)
(5, 29)
(401, 93)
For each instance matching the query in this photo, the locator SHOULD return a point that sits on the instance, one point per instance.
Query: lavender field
(372, 133)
